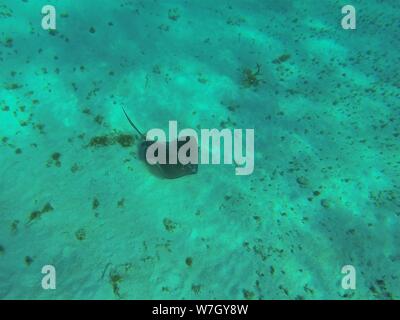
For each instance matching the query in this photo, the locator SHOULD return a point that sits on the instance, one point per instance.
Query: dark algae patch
(116, 276)
(47, 208)
(251, 78)
(115, 280)
(121, 203)
(379, 290)
(189, 261)
(173, 14)
(95, 203)
(80, 234)
(34, 215)
(28, 260)
(12, 86)
(248, 295)
(55, 160)
(14, 226)
(75, 167)
(169, 225)
(100, 141)
(281, 59)
(123, 140)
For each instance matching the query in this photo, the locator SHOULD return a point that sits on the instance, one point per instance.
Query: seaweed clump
(173, 14)
(12, 86)
(99, 141)
(189, 261)
(8, 43)
(281, 59)
(75, 167)
(14, 226)
(80, 234)
(116, 275)
(124, 140)
(5, 12)
(380, 291)
(169, 225)
(235, 21)
(248, 295)
(38, 213)
(251, 78)
(54, 159)
(115, 279)
(121, 203)
(28, 260)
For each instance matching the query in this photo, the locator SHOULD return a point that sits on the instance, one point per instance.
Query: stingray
(168, 170)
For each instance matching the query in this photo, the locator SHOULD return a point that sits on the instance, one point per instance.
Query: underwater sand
(325, 190)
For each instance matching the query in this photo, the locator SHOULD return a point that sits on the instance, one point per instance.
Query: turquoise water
(325, 188)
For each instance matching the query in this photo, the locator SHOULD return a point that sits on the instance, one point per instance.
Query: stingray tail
(131, 123)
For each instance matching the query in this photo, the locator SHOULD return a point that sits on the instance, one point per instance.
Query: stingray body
(167, 170)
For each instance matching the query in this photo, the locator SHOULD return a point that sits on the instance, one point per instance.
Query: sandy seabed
(324, 104)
